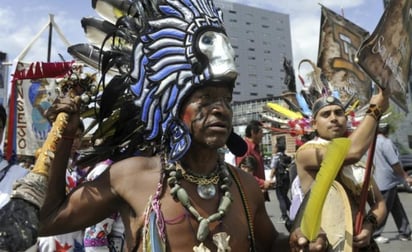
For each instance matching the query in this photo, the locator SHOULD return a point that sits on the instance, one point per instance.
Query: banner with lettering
(386, 54)
(33, 90)
(339, 42)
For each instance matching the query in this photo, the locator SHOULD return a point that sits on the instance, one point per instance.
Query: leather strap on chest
(249, 217)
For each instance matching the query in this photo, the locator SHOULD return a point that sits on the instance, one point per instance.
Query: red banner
(33, 90)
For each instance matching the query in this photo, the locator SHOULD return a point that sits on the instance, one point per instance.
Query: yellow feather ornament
(284, 111)
(330, 166)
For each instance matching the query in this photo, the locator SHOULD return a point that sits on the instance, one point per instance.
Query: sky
(22, 20)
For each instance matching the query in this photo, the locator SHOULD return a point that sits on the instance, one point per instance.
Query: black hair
(384, 129)
(280, 146)
(249, 161)
(253, 126)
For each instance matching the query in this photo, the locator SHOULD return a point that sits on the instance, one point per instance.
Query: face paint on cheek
(187, 116)
(199, 115)
(191, 115)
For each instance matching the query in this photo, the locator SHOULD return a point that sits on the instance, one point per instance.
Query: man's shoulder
(313, 144)
(247, 181)
(135, 174)
(138, 164)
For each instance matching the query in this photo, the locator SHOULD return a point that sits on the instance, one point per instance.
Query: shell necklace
(180, 194)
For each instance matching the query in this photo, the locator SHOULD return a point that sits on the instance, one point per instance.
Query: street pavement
(390, 231)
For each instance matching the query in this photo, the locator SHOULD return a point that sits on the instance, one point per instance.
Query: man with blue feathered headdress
(176, 93)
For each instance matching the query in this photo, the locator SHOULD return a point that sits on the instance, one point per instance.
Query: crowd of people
(178, 193)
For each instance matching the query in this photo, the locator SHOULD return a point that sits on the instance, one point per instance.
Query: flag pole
(365, 187)
(51, 16)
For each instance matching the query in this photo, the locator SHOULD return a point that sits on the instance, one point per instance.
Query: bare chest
(184, 229)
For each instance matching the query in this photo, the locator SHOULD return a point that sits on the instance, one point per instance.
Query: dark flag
(386, 54)
(340, 39)
(386, 3)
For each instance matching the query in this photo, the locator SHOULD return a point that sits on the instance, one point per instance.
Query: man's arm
(375, 216)
(361, 138)
(364, 134)
(19, 218)
(273, 164)
(57, 173)
(398, 169)
(392, 155)
(75, 210)
(57, 177)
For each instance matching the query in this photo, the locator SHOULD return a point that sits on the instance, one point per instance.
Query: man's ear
(313, 124)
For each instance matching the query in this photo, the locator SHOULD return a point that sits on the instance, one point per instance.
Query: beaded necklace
(157, 228)
(180, 194)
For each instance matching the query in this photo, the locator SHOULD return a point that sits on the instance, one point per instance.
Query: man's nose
(333, 116)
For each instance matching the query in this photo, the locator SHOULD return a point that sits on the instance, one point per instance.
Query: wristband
(371, 218)
(375, 111)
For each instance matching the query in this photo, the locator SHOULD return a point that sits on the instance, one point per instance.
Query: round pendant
(207, 191)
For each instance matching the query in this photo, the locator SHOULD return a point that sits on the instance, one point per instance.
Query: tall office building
(261, 38)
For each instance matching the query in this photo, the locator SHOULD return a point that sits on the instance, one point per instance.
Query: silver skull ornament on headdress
(183, 48)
